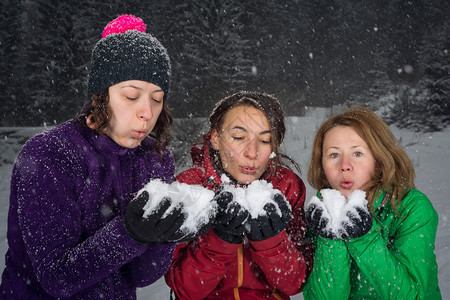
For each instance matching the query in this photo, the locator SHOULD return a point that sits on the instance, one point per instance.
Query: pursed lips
(346, 183)
(248, 170)
(139, 133)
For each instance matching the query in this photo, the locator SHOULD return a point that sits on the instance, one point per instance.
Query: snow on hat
(127, 52)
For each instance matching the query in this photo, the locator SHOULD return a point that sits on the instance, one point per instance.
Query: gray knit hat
(127, 52)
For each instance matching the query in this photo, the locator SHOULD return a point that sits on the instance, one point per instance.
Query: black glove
(230, 218)
(181, 236)
(358, 223)
(154, 227)
(318, 221)
(271, 223)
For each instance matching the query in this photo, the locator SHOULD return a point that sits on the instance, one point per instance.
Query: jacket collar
(381, 200)
(105, 145)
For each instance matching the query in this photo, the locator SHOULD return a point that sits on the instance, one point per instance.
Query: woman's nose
(345, 164)
(145, 111)
(251, 150)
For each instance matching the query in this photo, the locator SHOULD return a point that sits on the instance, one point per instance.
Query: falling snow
(254, 197)
(336, 207)
(429, 153)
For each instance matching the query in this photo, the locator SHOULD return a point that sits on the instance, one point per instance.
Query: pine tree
(304, 53)
(11, 76)
(379, 92)
(337, 40)
(437, 70)
(278, 35)
(49, 62)
(424, 104)
(211, 55)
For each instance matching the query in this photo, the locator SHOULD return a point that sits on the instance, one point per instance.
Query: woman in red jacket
(243, 256)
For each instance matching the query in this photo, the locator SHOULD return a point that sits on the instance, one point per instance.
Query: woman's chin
(345, 192)
(246, 178)
(130, 143)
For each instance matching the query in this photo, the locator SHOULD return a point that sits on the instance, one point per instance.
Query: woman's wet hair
(274, 113)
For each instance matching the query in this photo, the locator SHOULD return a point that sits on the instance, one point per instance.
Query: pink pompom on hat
(127, 52)
(124, 23)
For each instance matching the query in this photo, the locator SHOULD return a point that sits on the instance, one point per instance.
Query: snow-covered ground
(430, 153)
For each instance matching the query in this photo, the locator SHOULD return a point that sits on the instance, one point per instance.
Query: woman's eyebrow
(332, 147)
(243, 129)
(239, 128)
(132, 86)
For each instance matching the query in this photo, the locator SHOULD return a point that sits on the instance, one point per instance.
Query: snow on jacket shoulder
(394, 260)
(69, 193)
(214, 269)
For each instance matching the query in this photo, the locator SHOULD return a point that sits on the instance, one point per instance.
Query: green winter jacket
(394, 260)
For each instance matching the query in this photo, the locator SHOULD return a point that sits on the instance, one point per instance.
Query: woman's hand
(335, 217)
(271, 223)
(358, 220)
(159, 226)
(318, 220)
(230, 219)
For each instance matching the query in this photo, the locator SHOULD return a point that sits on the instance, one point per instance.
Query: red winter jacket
(210, 268)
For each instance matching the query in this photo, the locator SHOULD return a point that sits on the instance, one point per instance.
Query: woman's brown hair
(99, 113)
(274, 113)
(394, 171)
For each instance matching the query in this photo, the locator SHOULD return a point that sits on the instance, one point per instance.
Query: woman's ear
(214, 142)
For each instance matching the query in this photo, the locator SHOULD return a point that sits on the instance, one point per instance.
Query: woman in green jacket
(374, 232)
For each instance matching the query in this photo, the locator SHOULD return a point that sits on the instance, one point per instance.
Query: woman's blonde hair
(394, 171)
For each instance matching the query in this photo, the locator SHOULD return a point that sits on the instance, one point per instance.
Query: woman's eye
(265, 142)
(358, 154)
(131, 98)
(334, 155)
(237, 138)
(157, 100)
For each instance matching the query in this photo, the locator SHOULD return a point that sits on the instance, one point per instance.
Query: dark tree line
(307, 53)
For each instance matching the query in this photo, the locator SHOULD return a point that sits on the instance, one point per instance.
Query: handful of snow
(254, 197)
(335, 207)
(196, 200)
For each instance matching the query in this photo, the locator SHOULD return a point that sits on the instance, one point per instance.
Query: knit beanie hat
(127, 52)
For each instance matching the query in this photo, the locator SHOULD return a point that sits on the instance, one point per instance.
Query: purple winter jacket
(69, 193)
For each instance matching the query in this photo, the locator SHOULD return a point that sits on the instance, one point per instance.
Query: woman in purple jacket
(71, 231)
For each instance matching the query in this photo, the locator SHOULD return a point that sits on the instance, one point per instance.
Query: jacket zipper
(240, 258)
(275, 295)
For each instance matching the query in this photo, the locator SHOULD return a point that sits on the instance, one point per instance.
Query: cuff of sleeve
(270, 242)
(123, 231)
(356, 246)
(211, 241)
(374, 229)
(330, 243)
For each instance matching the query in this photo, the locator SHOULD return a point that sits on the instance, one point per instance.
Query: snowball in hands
(197, 204)
(268, 209)
(337, 209)
(255, 196)
(196, 200)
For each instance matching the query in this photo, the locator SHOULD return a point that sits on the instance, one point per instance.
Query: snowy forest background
(390, 54)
